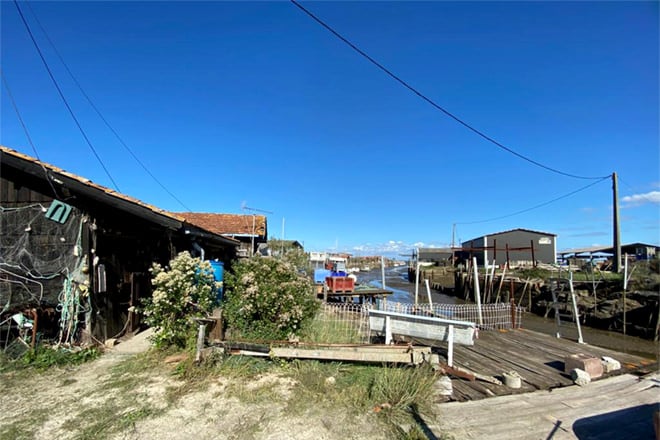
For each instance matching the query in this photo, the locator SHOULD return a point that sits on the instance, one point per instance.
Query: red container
(340, 284)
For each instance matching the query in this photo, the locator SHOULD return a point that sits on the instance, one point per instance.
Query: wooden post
(522, 295)
(490, 282)
(450, 348)
(466, 289)
(417, 282)
(576, 314)
(513, 313)
(531, 243)
(512, 291)
(477, 294)
(200, 341)
(428, 294)
(507, 256)
(499, 288)
(555, 305)
(388, 331)
(625, 286)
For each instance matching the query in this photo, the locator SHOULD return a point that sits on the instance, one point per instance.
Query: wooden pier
(619, 407)
(537, 358)
(361, 295)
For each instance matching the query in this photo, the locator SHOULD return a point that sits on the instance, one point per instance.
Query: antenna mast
(244, 207)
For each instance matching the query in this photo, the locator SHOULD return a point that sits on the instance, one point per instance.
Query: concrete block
(610, 364)
(512, 379)
(443, 386)
(589, 364)
(580, 377)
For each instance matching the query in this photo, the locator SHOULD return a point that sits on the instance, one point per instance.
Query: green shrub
(267, 299)
(185, 291)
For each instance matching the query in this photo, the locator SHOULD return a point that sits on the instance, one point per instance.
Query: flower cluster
(267, 299)
(184, 291)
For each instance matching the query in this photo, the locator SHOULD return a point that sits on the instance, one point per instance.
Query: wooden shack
(77, 255)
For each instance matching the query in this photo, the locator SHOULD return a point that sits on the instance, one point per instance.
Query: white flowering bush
(266, 298)
(184, 291)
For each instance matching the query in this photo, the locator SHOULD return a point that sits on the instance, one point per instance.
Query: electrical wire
(100, 115)
(536, 206)
(27, 133)
(59, 90)
(437, 106)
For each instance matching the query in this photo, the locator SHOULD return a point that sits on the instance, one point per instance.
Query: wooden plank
(403, 356)
(613, 408)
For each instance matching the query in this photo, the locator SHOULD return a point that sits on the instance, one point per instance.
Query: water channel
(396, 280)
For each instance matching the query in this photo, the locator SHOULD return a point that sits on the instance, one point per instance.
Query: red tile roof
(227, 224)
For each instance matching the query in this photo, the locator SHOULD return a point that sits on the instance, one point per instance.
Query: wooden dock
(361, 295)
(536, 357)
(619, 407)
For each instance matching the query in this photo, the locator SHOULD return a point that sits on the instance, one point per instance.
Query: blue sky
(233, 104)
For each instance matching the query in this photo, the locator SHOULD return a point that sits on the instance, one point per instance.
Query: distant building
(517, 246)
(277, 248)
(250, 230)
(438, 256)
(638, 251)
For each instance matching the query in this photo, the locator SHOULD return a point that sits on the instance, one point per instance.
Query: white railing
(348, 323)
(493, 316)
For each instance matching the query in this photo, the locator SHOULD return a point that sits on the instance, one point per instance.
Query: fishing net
(41, 263)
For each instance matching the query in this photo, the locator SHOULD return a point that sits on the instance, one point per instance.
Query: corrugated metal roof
(511, 230)
(605, 249)
(228, 224)
(524, 230)
(587, 250)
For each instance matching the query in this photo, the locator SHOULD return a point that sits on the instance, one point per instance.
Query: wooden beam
(403, 355)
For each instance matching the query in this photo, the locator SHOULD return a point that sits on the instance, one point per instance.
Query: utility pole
(617, 230)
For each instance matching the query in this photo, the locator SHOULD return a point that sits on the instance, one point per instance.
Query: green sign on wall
(58, 212)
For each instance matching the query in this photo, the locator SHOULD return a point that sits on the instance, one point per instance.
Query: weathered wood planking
(613, 408)
(538, 358)
(403, 355)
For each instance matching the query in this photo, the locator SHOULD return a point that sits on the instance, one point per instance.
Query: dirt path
(114, 397)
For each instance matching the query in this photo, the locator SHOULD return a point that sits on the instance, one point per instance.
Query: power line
(98, 112)
(536, 206)
(431, 102)
(25, 130)
(66, 103)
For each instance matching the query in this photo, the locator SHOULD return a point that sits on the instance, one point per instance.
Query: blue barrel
(218, 274)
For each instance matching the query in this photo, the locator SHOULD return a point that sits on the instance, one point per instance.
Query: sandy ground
(77, 403)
